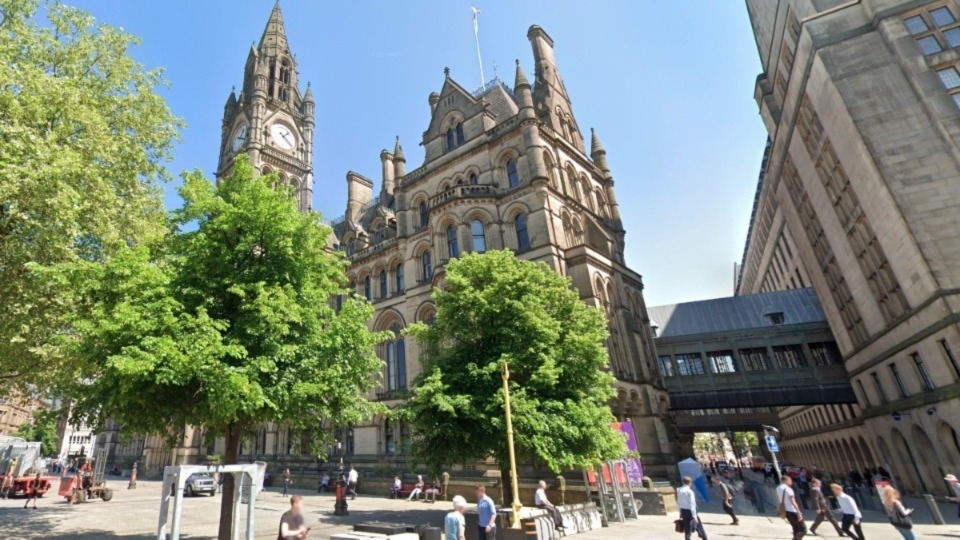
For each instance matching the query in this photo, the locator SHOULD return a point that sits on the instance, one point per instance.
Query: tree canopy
(496, 308)
(83, 142)
(43, 429)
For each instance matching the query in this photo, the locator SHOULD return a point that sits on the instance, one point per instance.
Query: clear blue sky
(667, 85)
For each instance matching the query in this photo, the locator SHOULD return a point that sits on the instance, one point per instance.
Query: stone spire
(596, 147)
(399, 162)
(231, 100)
(308, 97)
(274, 38)
(520, 79)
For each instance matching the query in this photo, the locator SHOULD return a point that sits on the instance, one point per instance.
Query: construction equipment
(19, 468)
(88, 483)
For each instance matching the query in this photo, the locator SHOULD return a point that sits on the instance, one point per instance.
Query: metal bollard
(934, 509)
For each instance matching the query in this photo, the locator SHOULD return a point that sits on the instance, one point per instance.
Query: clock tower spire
(270, 120)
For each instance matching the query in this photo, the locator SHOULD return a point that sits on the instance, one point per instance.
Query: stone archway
(950, 441)
(913, 477)
(928, 461)
(867, 454)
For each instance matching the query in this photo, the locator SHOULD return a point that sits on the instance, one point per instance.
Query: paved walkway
(133, 515)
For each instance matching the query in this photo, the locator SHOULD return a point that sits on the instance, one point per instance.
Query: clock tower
(270, 120)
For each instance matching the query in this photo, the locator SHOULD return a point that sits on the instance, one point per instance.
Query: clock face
(283, 137)
(239, 137)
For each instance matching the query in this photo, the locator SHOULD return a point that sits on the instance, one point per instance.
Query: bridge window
(690, 364)
(826, 354)
(722, 362)
(754, 359)
(666, 366)
(789, 356)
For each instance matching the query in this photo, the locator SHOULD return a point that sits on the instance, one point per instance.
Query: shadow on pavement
(20, 523)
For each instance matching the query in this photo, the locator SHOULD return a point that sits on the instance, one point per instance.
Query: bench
(430, 492)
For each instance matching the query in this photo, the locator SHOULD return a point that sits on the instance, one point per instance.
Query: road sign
(897, 416)
(772, 444)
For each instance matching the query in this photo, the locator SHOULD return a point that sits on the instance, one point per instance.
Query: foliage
(499, 309)
(83, 139)
(42, 429)
(225, 324)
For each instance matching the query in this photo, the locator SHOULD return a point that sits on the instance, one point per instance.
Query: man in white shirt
(352, 477)
(851, 514)
(955, 484)
(540, 500)
(687, 501)
(788, 499)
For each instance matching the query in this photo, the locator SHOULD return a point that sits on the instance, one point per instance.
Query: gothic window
(351, 248)
(424, 215)
(399, 277)
(460, 136)
(523, 237)
(451, 141)
(396, 361)
(383, 284)
(479, 239)
(453, 245)
(473, 179)
(366, 287)
(934, 29)
(427, 266)
(512, 176)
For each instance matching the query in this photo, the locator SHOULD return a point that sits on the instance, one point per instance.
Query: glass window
(512, 174)
(690, 364)
(399, 275)
(473, 179)
(451, 142)
(460, 137)
(479, 240)
(952, 36)
(427, 266)
(366, 287)
(916, 25)
(922, 372)
(942, 16)
(754, 359)
(391, 365)
(948, 352)
(789, 356)
(879, 386)
(722, 362)
(666, 366)
(929, 45)
(826, 354)
(863, 392)
(383, 284)
(523, 238)
(901, 387)
(401, 364)
(424, 216)
(453, 245)
(950, 77)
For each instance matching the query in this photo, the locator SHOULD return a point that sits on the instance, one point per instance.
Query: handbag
(900, 520)
(678, 526)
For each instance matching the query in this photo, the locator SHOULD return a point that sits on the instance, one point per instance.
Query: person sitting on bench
(540, 500)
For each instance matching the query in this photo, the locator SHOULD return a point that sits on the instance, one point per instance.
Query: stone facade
(863, 179)
(15, 410)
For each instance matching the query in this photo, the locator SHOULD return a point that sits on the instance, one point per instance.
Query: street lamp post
(776, 464)
(515, 518)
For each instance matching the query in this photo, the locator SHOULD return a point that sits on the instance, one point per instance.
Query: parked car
(198, 483)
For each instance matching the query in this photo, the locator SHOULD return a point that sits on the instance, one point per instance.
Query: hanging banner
(634, 467)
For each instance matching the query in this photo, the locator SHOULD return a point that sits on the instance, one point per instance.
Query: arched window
(351, 248)
(399, 275)
(383, 284)
(427, 266)
(523, 238)
(396, 361)
(453, 245)
(460, 137)
(512, 176)
(401, 363)
(424, 215)
(366, 287)
(451, 142)
(339, 302)
(473, 179)
(479, 240)
(391, 365)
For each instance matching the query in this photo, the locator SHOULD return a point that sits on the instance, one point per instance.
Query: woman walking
(286, 481)
(899, 516)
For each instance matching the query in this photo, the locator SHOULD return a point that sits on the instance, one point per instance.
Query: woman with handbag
(899, 516)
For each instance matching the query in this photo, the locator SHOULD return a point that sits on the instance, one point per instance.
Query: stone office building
(859, 200)
(506, 167)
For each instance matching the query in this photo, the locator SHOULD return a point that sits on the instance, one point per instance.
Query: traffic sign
(772, 444)
(896, 416)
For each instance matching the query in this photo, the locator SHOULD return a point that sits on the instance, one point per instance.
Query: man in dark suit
(822, 508)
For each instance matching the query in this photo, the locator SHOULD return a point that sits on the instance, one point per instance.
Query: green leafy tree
(42, 429)
(83, 139)
(495, 309)
(225, 325)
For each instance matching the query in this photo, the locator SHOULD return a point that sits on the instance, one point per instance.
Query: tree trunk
(226, 498)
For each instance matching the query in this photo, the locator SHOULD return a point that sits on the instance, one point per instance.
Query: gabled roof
(799, 306)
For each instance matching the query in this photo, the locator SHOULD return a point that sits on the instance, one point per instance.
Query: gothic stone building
(505, 168)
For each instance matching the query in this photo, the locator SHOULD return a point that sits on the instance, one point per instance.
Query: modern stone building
(859, 199)
(506, 167)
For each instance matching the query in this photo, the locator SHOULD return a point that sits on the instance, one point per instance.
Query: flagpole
(476, 37)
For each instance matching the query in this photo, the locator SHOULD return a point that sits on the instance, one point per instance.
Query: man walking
(687, 501)
(726, 497)
(955, 485)
(788, 499)
(822, 507)
(286, 481)
(487, 512)
(541, 501)
(291, 522)
(352, 478)
(851, 514)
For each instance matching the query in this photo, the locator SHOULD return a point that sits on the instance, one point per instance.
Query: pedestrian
(726, 497)
(286, 481)
(955, 484)
(454, 525)
(33, 491)
(789, 507)
(291, 522)
(899, 516)
(851, 513)
(487, 515)
(417, 489)
(353, 477)
(822, 508)
(397, 486)
(687, 501)
(541, 501)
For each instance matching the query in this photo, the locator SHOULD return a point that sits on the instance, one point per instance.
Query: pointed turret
(231, 101)
(308, 97)
(596, 147)
(550, 95)
(307, 106)
(521, 88)
(399, 162)
(274, 38)
(520, 79)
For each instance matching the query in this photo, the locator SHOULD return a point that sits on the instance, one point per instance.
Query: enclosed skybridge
(732, 362)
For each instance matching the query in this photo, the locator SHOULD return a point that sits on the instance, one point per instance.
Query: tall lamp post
(515, 518)
(776, 464)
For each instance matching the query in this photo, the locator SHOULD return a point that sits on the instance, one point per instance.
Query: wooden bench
(406, 488)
